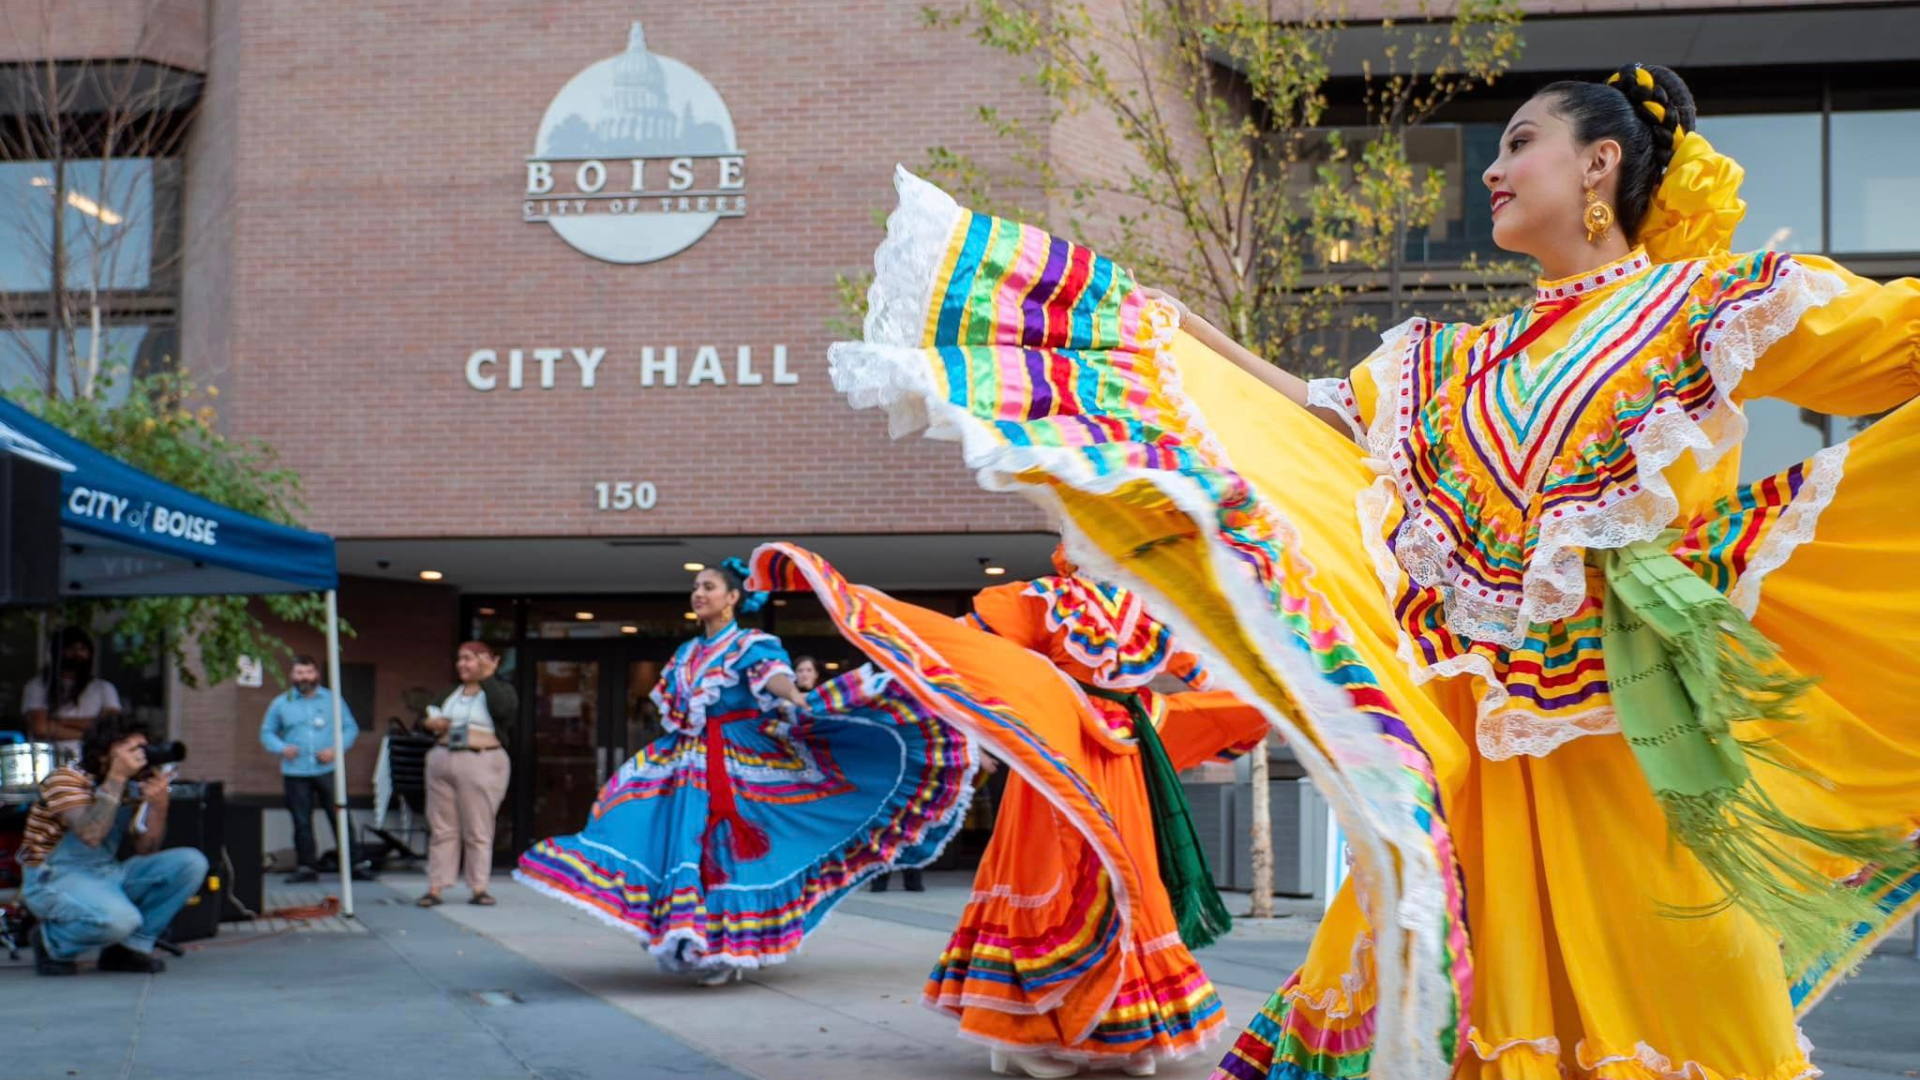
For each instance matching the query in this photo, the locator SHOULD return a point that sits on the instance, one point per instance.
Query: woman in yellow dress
(1623, 745)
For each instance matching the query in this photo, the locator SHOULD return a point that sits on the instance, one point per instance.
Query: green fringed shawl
(1197, 908)
(1683, 666)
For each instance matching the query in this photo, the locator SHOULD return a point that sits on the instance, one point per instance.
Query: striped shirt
(64, 790)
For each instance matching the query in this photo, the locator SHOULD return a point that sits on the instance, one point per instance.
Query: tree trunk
(58, 287)
(1260, 840)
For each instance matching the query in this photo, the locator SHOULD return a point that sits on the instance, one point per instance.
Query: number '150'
(625, 495)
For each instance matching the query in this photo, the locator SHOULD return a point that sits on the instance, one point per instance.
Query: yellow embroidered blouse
(1501, 468)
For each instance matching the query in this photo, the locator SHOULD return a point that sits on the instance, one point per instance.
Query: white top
(468, 712)
(98, 697)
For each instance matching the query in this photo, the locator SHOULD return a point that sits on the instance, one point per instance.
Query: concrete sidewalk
(849, 1005)
(533, 988)
(397, 994)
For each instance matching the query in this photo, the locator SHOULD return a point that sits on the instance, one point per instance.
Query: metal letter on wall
(636, 159)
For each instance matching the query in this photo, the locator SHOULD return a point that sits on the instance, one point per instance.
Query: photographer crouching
(84, 896)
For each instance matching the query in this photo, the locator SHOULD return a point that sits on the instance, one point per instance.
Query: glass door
(571, 690)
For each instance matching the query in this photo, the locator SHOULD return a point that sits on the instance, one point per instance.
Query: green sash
(1197, 908)
(1683, 666)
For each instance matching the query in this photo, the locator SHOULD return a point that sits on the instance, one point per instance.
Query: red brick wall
(165, 31)
(377, 241)
(407, 631)
(210, 206)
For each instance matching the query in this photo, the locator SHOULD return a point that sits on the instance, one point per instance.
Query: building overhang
(588, 565)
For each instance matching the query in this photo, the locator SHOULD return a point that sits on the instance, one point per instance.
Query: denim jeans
(305, 794)
(85, 898)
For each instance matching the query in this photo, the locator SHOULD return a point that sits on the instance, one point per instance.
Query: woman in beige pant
(467, 773)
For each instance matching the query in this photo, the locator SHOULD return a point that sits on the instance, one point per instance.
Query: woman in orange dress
(1023, 971)
(1070, 950)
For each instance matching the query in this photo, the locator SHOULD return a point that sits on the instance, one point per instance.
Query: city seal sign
(636, 159)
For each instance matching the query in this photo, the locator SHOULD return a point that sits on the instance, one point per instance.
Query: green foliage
(1229, 187)
(165, 427)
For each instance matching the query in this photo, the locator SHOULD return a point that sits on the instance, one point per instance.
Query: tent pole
(344, 838)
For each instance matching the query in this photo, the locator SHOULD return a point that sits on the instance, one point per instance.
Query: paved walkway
(397, 994)
(849, 1006)
(532, 988)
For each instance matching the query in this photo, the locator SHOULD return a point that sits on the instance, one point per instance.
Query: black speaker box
(245, 868)
(29, 532)
(196, 818)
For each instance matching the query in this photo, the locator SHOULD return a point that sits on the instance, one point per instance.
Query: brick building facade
(360, 179)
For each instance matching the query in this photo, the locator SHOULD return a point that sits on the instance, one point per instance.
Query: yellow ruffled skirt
(1580, 969)
(1510, 918)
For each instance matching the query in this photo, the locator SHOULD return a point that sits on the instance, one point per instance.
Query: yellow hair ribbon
(1697, 206)
(1658, 110)
(1644, 77)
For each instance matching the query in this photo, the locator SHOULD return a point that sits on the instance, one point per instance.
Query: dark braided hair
(1643, 107)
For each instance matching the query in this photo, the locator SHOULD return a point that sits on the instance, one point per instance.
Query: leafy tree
(1228, 186)
(164, 425)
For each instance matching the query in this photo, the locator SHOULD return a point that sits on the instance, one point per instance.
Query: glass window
(1464, 226)
(1781, 155)
(1876, 181)
(1333, 350)
(123, 350)
(26, 228)
(23, 358)
(108, 224)
(1778, 436)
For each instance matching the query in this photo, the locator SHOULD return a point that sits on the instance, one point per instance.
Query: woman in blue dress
(728, 840)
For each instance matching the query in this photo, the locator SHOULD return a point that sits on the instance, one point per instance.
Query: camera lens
(166, 753)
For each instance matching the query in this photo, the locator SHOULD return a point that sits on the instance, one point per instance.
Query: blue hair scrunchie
(738, 572)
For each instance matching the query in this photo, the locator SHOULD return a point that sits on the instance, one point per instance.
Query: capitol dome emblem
(636, 159)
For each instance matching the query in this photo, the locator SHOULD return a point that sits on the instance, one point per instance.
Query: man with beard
(299, 728)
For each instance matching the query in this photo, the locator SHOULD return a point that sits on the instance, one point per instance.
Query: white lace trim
(1336, 396)
(1643, 1055)
(1336, 1002)
(907, 262)
(1548, 1045)
(1499, 732)
(1005, 894)
(1104, 664)
(1654, 1061)
(1503, 733)
(705, 689)
(1369, 790)
(1820, 483)
(1633, 265)
(1555, 580)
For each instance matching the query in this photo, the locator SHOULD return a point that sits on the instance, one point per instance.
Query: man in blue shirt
(299, 728)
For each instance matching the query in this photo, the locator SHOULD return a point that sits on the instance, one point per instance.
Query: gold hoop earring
(1598, 217)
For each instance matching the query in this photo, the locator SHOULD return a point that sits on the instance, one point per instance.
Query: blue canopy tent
(17, 443)
(125, 533)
